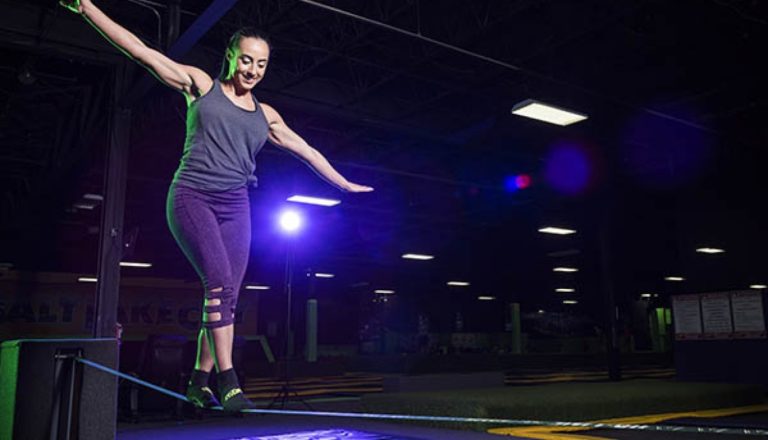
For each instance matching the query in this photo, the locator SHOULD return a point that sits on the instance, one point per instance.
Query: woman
(208, 209)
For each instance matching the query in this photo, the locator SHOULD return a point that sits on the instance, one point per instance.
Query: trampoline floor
(269, 427)
(279, 427)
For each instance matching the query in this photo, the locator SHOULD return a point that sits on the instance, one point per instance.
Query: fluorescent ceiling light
(565, 269)
(458, 283)
(384, 291)
(570, 301)
(565, 290)
(544, 112)
(256, 287)
(674, 279)
(87, 279)
(541, 311)
(96, 197)
(707, 250)
(134, 264)
(556, 231)
(324, 275)
(486, 298)
(418, 257)
(84, 206)
(758, 286)
(645, 295)
(309, 200)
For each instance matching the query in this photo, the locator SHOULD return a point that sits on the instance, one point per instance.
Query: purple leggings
(213, 230)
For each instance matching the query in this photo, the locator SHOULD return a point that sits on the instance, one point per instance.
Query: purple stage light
(290, 221)
(523, 181)
(517, 182)
(570, 168)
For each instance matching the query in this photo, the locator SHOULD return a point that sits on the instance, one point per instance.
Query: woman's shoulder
(267, 109)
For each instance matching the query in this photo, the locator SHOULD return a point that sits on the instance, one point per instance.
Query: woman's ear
(231, 67)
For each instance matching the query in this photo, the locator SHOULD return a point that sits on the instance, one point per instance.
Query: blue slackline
(520, 422)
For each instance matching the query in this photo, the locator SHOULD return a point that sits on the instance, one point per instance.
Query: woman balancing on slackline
(208, 209)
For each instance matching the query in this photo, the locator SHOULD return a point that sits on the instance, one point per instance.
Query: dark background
(670, 159)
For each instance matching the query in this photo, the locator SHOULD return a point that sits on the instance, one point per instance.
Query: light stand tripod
(287, 392)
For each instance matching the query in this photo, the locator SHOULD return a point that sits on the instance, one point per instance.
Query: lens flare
(290, 221)
(570, 168)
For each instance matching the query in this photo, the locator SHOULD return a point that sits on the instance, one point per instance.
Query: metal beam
(514, 67)
(20, 27)
(203, 24)
(180, 47)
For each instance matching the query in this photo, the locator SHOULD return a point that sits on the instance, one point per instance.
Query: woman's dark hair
(234, 40)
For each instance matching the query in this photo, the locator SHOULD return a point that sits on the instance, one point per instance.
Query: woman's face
(248, 62)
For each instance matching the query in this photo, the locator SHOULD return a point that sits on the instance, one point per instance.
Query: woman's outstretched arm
(282, 135)
(175, 75)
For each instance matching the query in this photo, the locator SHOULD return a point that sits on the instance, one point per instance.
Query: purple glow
(290, 221)
(660, 153)
(523, 181)
(569, 168)
(325, 434)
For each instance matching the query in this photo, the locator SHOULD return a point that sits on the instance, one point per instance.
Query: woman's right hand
(73, 5)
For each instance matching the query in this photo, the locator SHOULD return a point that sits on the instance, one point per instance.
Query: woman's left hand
(73, 5)
(355, 188)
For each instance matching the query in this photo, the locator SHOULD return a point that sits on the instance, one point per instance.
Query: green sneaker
(201, 397)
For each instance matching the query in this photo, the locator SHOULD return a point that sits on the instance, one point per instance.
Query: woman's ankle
(199, 377)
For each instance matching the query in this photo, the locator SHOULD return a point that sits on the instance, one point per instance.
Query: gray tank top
(222, 143)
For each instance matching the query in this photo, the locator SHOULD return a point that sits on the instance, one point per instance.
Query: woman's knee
(218, 310)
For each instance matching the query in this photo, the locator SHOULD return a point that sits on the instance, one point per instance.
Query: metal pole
(289, 300)
(515, 328)
(173, 18)
(607, 281)
(111, 232)
(311, 352)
